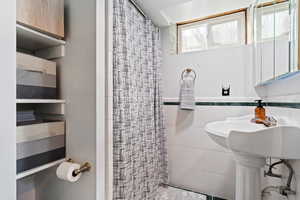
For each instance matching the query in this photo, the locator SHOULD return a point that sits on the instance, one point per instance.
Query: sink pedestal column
(248, 177)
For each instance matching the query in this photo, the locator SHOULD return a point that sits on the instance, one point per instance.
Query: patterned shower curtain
(140, 157)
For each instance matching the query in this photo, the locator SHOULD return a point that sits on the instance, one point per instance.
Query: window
(273, 21)
(213, 32)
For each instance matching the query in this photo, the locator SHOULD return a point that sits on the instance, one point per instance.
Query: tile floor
(170, 193)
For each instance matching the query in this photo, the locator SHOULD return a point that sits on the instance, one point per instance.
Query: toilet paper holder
(84, 168)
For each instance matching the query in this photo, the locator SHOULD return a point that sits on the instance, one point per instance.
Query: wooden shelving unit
(44, 46)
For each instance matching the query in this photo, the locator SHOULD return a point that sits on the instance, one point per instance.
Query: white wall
(230, 65)
(173, 11)
(78, 86)
(102, 188)
(109, 101)
(195, 161)
(199, 9)
(7, 102)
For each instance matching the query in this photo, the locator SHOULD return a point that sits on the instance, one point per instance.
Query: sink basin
(241, 135)
(251, 144)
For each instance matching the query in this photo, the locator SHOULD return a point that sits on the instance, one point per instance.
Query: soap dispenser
(260, 112)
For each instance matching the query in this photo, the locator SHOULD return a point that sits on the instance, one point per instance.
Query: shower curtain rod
(138, 8)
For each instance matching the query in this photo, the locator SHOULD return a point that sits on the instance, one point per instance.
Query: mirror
(275, 36)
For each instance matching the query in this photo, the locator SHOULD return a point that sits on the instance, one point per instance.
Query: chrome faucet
(268, 122)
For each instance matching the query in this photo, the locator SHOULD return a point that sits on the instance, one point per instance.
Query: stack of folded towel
(26, 116)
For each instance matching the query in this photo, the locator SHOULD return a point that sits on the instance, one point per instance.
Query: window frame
(267, 9)
(242, 23)
(179, 36)
(211, 21)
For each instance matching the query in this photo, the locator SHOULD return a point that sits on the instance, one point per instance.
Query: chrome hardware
(84, 168)
(282, 190)
(268, 122)
(188, 70)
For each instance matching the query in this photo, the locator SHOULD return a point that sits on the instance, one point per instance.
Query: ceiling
(167, 12)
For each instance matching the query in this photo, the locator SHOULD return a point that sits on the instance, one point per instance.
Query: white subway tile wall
(195, 161)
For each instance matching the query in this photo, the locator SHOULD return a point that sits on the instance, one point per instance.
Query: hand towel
(187, 97)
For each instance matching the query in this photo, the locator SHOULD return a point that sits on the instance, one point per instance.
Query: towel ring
(188, 70)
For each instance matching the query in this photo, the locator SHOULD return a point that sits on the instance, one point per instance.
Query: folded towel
(187, 97)
(23, 116)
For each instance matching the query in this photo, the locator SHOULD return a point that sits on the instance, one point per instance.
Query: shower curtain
(139, 140)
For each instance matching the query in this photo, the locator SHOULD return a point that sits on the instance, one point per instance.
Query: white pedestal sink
(251, 144)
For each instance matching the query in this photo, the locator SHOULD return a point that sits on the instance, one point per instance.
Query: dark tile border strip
(209, 197)
(283, 105)
(270, 104)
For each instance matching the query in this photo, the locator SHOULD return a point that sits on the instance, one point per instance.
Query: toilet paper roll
(65, 171)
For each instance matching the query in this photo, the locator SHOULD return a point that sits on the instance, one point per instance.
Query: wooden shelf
(33, 40)
(39, 169)
(41, 101)
(49, 106)
(39, 43)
